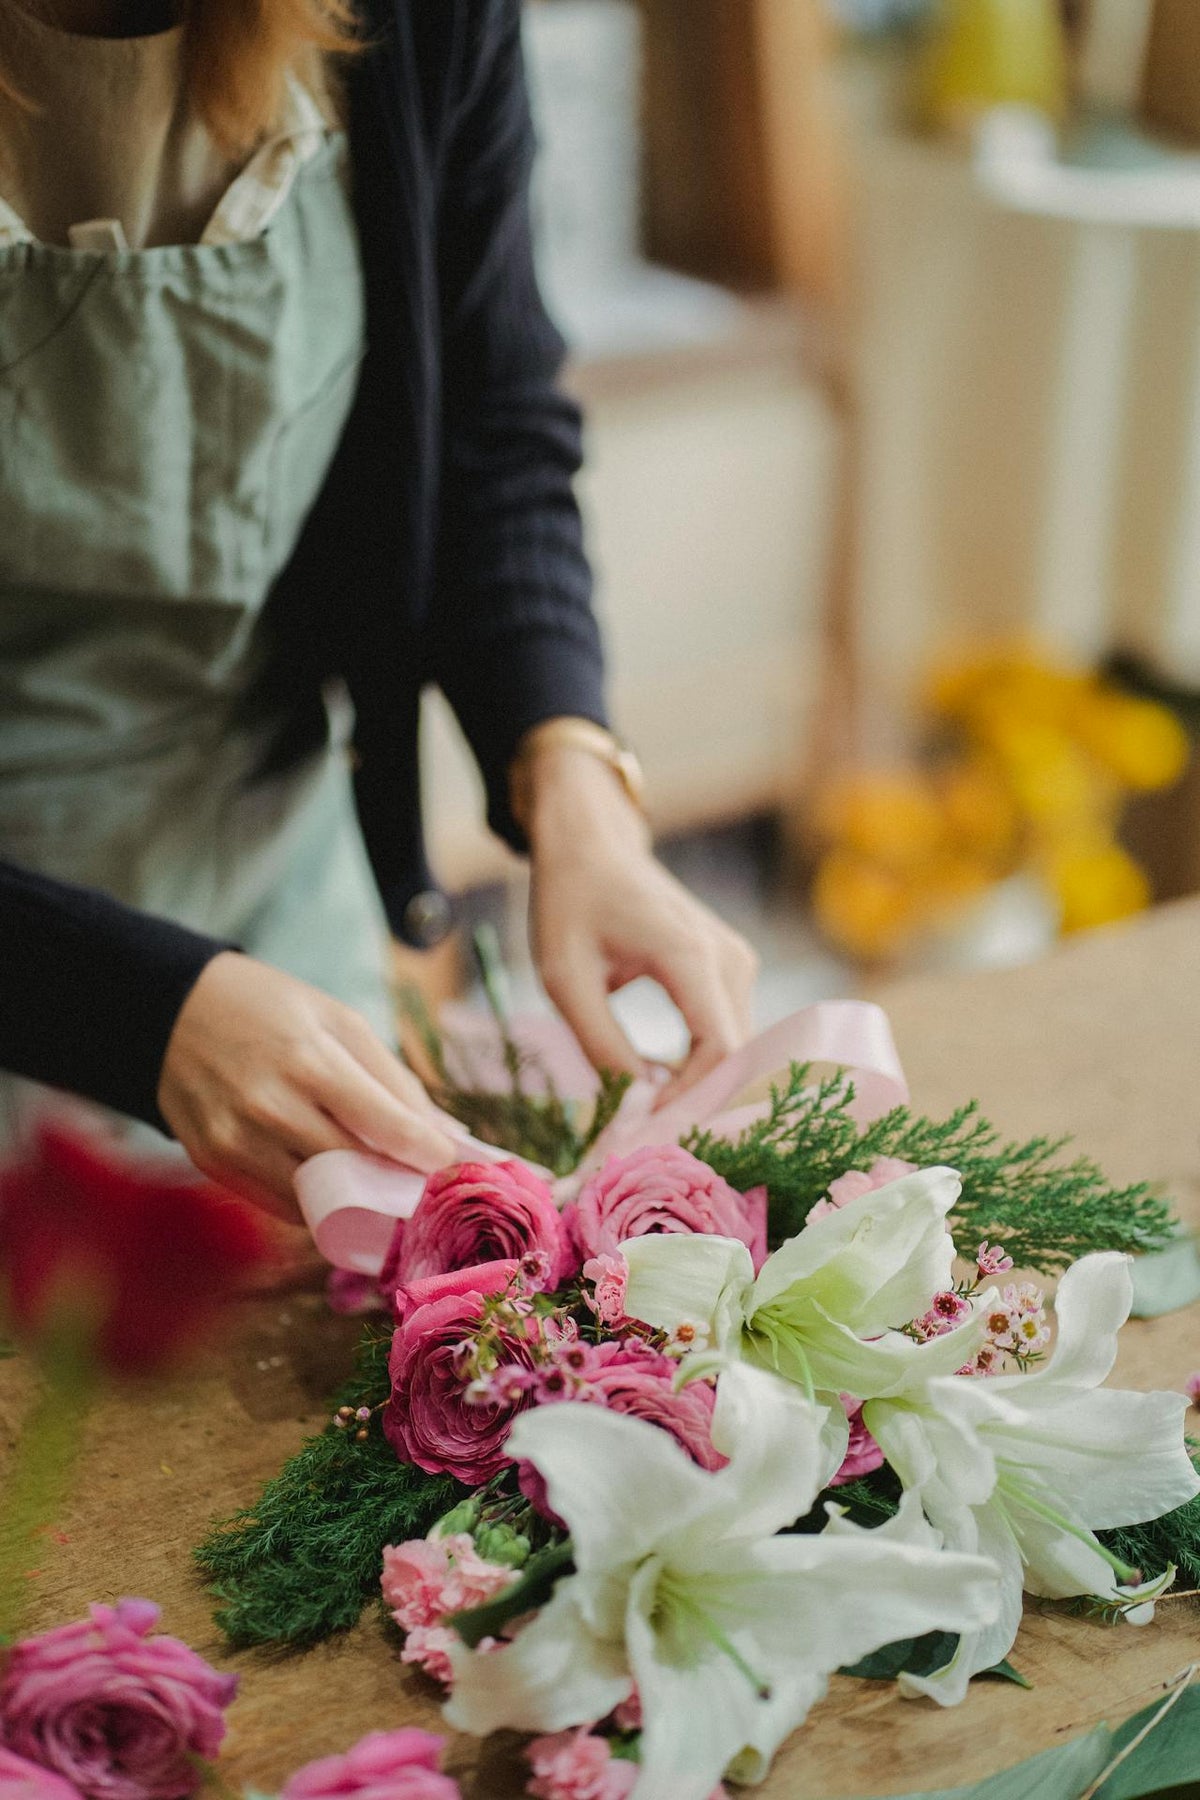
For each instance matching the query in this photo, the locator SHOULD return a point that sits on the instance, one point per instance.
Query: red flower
(144, 1256)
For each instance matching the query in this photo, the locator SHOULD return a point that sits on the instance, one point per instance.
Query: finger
(293, 1122)
(365, 1108)
(389, 1071)
(578, 986)
(698, 988)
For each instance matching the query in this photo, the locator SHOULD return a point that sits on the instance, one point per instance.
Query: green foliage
(1175, 1538)
(530, 1120)
(301, 1563)
(1044, 1211)
(531, 1591)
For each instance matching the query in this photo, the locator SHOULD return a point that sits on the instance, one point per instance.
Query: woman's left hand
(603, 911)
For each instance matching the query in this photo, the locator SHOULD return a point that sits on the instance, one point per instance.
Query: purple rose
(21, 1780)
(478, 1213)
(118, 1713)
(429, 1420)
(384, 1765)
(663, 1188)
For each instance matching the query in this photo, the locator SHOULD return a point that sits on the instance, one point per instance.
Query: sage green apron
(166, 419)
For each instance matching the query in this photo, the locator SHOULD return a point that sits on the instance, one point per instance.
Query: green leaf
(1168, 1279)
(534, 1588)
(909, 1656)
(1004, 1671)
(1165, 1760)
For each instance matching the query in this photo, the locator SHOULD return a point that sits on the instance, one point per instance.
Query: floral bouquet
(647, 1453)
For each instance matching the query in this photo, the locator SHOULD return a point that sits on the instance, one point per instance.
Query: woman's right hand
(263, 1071)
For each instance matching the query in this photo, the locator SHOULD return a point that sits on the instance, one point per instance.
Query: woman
(280, 442)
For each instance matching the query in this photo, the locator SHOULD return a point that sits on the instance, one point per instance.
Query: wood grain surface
(1101, 1040)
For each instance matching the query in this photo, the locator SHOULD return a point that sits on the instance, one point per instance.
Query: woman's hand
(263, 1071)
(603, 911)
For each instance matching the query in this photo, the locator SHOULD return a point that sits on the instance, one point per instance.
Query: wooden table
(1101, 1040)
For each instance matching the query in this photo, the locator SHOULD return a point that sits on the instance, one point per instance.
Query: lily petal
(678, 1278)
(984, 1647)
(615, 1479)
(873, 1264)
(555, 1673)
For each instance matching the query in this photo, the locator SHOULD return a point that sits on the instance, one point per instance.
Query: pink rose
(577, 1765)
(118, 1713)
(862, 1452)
(384, 1765)
(663, 1188)
(21, 1780)
(478, 1213)
(857, 1182)
(429, 1420)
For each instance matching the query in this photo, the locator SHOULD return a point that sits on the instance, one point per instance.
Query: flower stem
(38, 1484)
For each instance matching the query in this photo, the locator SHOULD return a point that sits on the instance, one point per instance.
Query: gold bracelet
(572, 734)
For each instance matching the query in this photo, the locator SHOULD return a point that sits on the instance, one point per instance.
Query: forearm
(90, 989)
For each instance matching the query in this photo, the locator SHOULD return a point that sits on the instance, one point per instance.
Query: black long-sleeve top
(445, 546)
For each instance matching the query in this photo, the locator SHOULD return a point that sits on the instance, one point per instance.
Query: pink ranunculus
(484, 1278)
(384, 1765)
(578, 1765)
(862, 1452)
(477, 1213)
(857, 1182)
(663, 1188)
(429, 1420)
(22, 1780)
(119, 1714)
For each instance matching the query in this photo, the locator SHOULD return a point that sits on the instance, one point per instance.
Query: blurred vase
(987, 53)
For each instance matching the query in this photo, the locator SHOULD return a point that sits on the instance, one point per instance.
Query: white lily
(1024, 1468)
(852, 1276)
(682, 1587)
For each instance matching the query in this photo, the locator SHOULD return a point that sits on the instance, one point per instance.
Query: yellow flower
(865, 909)
(979, 812)
(1142, 744)
(891, 818)
(1096, 883)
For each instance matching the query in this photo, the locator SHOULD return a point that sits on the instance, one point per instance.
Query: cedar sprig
(300, 1565)
(1044, 1211)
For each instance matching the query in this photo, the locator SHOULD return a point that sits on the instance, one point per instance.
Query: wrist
(570, 774)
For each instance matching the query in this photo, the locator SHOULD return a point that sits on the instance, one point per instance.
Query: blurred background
(886, 317)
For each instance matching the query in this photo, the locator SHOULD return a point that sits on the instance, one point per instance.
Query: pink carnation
(857, 1182)
(478, 1213)
(119, 1714)
(384, 1765)
(577, 1765)
(21, 1780)
(609, 1276)
(663, 1188)
(429, 1419)
(427, 1578)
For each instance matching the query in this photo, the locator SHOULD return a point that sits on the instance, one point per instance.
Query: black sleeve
(513, 637)
(90, 990)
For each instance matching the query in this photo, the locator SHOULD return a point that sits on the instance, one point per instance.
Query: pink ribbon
(351, 1199)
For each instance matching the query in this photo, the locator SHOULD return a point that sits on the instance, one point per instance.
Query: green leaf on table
(1162, 1743)
(922, 1656)
(1167, 1279)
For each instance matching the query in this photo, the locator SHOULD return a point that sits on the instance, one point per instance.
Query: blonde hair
(237, 54)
